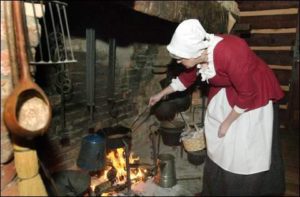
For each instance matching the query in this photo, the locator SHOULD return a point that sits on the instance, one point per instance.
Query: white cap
(189, 39)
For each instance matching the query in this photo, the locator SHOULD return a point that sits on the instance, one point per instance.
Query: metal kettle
(92, 155)
(166, 175)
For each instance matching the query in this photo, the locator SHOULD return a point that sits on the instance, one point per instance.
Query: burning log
(149, 170)
(103, 187)
(112, 174)
(141, 165)
(108, 186)
(117, 188)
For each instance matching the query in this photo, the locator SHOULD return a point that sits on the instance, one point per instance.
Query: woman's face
(187, 63)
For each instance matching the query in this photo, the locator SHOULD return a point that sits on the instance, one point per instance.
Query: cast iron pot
(182, 103)
(196, 157)
(170, 132)
(165, 110)
(181, 99)
(115, 136)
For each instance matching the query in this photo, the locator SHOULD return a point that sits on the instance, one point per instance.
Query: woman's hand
(154, 99)
(202, 58)
(233, 115)
(223, 129)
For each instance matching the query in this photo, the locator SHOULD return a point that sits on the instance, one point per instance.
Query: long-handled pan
(27, 110)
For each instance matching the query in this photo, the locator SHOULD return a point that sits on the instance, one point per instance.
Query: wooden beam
(271, 48)
(280, 67)
(284, 77)
(265, 5)
(273, 31)
(283, 106)
(276, 57)
(285, 88)
(282, 126)
(239, 27)
(284, 39)
(270, 12)
(275, 21)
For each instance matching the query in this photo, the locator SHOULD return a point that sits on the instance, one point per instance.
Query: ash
(149, 188)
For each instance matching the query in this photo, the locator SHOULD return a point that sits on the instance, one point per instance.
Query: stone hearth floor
(190, 174)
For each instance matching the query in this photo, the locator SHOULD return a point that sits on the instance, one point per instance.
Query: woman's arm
(154, 99)
(183, 81)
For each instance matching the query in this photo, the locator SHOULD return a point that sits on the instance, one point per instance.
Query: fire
(118, 160)
(116, 168)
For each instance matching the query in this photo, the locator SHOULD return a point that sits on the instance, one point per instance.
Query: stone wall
(134, 84)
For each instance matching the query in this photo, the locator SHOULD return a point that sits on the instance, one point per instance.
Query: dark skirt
(219, 182)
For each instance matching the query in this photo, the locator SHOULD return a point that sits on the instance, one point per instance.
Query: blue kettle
(92, 155)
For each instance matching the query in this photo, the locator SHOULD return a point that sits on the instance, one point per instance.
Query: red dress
(248, 80)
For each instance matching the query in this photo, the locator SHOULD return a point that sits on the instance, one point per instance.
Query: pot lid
(94, 138)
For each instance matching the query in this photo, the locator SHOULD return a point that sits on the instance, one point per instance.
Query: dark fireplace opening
(121, 92)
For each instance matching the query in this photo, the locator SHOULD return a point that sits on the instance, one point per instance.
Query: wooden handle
(20, 40)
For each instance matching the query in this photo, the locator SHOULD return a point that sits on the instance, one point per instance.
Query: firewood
(99, 189)
(111, 174)
(117, 188)
(141, 165)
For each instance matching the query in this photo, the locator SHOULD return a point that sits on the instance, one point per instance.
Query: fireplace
(125, 78)
(112, 168)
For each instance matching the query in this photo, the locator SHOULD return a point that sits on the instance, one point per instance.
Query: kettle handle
(162, 165)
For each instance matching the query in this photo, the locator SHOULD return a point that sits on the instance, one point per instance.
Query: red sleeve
(188, 77)
(235, 60)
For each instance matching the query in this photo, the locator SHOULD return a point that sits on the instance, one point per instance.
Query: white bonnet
(189, 39)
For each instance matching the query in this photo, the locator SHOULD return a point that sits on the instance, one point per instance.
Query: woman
(239, 116)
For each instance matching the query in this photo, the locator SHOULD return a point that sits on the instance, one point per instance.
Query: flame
(117, 160)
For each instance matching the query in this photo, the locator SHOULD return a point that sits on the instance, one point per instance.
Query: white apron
(246, 147)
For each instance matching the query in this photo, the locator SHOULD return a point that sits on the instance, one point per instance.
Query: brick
(6, 88)
(5, 65)
(8, 172)
(6, 149)
(11, 189)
